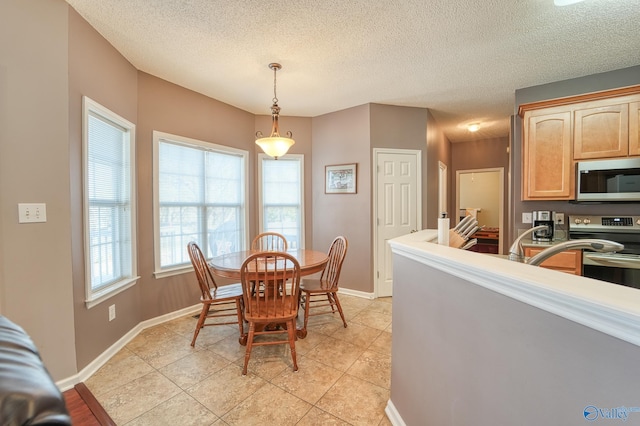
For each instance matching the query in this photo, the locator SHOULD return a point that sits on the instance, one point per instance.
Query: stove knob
(638, 222)
(587, 221)
(578, 221)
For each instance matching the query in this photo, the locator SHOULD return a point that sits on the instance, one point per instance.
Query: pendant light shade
(275, 145)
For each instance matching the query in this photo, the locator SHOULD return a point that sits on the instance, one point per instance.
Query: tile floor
(343, 376)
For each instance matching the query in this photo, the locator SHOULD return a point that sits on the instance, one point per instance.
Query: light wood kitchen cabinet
(634, 128)
(559, 132)
(569, 261)
(547, 168)
(601, 130)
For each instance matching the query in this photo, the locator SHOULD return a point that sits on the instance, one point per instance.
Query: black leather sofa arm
(28, 394)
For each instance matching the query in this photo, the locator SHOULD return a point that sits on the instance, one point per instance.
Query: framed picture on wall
(340, 179)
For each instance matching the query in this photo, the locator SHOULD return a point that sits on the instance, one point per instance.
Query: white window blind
(281, 197)
(201, 197)
(109, 201)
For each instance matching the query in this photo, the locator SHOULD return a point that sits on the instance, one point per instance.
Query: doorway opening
(480, 193)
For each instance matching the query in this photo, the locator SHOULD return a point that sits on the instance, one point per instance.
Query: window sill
(171, 272)
(100, 296)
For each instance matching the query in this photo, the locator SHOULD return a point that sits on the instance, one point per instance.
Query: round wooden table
(228, 265)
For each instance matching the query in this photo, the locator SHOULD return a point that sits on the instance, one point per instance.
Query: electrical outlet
(112, 312)
(526, 217)
(559, 218)
(32, 212)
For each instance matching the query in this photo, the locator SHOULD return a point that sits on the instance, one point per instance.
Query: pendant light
(275, 145)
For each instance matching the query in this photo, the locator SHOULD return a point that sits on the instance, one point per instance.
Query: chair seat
(226, 292)
(268, 314)
(311, 285)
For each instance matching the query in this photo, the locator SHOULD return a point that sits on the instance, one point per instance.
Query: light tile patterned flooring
(343, 377)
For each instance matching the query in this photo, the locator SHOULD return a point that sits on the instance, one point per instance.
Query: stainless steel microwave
(609, 180)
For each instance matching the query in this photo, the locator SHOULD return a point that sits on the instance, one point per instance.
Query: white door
(398, 208)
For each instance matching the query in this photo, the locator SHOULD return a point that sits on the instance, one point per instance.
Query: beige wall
(403, 128)
(35, 259)
(98, 71)
(349, 136)
(152, 104)
(483, 154)
(169, 108)
(338, 138)
(438, 149)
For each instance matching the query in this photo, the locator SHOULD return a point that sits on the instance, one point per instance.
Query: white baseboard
(393, 415)
(93, 366)
(356, 293)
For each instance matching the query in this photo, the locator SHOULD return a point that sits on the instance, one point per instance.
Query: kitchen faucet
(516, 252)
(605, 246)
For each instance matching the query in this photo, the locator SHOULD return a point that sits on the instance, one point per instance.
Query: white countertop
(610, 308)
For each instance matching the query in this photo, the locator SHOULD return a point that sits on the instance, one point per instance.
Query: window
(281, 197)
(109, 202)
(200, 195)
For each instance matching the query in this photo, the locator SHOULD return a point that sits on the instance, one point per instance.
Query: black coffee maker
(543, 217)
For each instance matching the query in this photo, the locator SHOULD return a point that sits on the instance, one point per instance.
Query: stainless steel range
(621, 267)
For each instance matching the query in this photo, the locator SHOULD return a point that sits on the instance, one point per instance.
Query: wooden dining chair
(274, 308)
(217, 302)
(269, 241)
(319, 294)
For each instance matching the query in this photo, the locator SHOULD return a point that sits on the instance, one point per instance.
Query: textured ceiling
(461, 59)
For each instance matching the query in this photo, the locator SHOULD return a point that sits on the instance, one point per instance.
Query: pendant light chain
(275, 96)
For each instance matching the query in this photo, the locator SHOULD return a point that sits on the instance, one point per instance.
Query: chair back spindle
(269, 241)
(337, 253)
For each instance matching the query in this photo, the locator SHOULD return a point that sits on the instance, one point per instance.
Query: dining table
(228, 266)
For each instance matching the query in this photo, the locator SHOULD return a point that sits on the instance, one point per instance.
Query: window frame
(300, 159)
(97, 296)
(158, 137)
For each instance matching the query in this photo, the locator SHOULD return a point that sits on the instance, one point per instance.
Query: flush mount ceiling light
(565, 2)
(473, 127)
(275, 145)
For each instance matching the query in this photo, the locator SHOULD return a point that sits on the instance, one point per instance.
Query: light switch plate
(32, 212)
(559, 218)
(526, 217)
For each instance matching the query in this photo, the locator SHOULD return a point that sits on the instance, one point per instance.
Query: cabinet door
(569, 261)
(547, 170)
(601, 131)
(634, 128)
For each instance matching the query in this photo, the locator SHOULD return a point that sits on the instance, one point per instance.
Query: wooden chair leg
(331, 303)
(335, 296)
(247, 353)
(307, 306)
(199, 325)
(240, 318)
(291, 331)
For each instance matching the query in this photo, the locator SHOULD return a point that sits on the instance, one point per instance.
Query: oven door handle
(611, 260)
